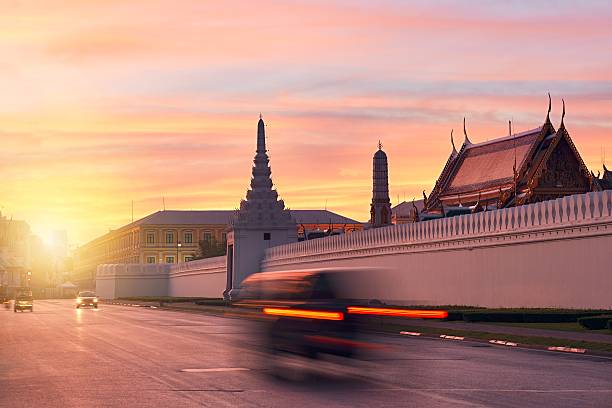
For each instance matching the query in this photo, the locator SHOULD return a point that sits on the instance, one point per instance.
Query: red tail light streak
(415, 313)
(305, 314)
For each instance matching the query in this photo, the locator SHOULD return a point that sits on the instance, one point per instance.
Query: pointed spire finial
(261, 136)
(379, 145)
(260, 117)
(467, 140)
(562, 114)
(549, 108)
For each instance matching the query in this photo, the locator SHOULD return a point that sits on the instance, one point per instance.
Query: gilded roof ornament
(562, 114)
(453, 143)
(549, 108)
(467, 140)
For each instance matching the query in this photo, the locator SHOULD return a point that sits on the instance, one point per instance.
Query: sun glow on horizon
(98, 109)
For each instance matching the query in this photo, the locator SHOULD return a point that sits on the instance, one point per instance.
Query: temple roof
(490, 163)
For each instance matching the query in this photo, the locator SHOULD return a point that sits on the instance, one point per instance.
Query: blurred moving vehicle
(86, 298)
(318, 313)
(23, 300)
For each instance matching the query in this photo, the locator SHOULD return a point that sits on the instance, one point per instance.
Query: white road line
(213, 370)
(567, 349)
(445, 336)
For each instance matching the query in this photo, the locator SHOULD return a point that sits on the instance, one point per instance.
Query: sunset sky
(103, 102)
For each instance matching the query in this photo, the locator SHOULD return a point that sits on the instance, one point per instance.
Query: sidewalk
(519, 331)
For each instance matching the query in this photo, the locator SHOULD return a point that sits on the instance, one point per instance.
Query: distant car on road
(24, 300)
(86, 298)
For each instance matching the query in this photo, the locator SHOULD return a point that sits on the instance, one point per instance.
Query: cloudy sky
(103, 102)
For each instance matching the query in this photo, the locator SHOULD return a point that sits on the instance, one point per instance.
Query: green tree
(210, 248)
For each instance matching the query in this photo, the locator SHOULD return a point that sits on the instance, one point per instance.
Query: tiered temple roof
(534, 165)
(604, 182)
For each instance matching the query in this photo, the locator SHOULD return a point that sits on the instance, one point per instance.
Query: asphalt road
(119, 356)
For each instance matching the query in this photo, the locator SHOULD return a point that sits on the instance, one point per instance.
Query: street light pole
(178, 246)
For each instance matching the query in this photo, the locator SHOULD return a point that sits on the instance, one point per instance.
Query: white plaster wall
(201, 278)
(249, 248)
(126, 280)
(554, 254)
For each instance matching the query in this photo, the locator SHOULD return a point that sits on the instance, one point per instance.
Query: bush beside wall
(595, 322)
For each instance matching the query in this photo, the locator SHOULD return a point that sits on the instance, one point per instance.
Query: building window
(224, 236)
(188, 258)
(169, 238)
(266, 236)
(207, 236)
(169, 259)
(151, 259)
(150, 238)
(188, 239)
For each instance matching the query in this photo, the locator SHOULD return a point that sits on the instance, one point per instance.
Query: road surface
(119, 356)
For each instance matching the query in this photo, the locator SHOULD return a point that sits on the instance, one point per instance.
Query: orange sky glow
(105, 102)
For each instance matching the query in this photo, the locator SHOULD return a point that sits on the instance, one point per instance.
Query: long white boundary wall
(124, 280)
(201, 278)
(556, 253)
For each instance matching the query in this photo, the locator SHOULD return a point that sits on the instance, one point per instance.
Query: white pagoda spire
(262, 206)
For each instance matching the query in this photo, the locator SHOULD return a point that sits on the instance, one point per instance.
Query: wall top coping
(575, 210)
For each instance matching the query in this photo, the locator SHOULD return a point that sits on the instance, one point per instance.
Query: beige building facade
(173, 236)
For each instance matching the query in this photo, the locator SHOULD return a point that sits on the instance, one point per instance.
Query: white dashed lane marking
(213, 370)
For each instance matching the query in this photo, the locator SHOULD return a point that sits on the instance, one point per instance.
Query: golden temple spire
(562, 125)
(467, 140)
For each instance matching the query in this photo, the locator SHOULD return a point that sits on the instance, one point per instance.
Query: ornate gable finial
(562, 125)
(467, 140)
(549, 108)
(453, 143)
(424, 199)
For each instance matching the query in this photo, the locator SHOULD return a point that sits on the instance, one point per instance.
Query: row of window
(187, 237)
(168, 259)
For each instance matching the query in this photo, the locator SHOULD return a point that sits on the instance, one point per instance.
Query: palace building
(536, 165)
(172, 236)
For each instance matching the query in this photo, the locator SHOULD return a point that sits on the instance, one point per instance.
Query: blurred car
(307, 314)
(319, 313)
(6, 301)
(86, 298)
(23, 301)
